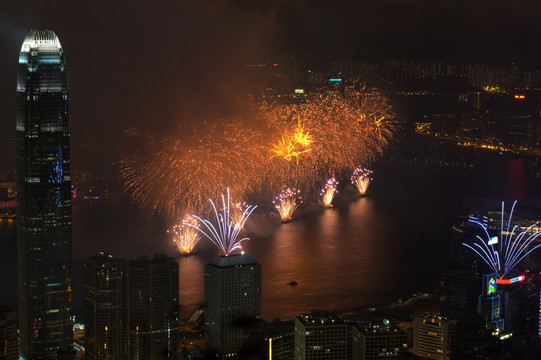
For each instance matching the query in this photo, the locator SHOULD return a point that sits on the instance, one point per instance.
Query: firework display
(184, 236)
(175, 174)
(224, 233)
(287, 202)
(328, 191)
(256, 152)
(502, 253)
(361, 179)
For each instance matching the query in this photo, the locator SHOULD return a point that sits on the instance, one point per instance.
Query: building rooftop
(319, 317)
(232, 260)
(102, 257)
(41, 40)
(158, 259)
(379, 328)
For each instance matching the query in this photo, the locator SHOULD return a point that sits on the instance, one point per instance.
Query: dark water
(365, 250)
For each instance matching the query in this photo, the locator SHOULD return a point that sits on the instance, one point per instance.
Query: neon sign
(493, 240)
(491, 285)
(510, 281)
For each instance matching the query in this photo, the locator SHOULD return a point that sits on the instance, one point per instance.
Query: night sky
(138, 63)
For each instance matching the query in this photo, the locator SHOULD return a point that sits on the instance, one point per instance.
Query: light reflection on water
(363, 251)
(341, 257)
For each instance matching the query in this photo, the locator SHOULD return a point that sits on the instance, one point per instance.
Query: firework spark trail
(225, 232)
(287, 202)
(183, 170)
(184, 236)
(361, 179)
(288, 148)
(511, 249)
(328, 191)
(236, 210)
(302, 137)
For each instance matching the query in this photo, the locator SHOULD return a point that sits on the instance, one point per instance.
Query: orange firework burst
(301, 137)
(338, 130)
(257, 151)
(184, 171)
(293, 146)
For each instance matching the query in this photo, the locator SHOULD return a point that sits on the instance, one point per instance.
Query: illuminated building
(233, 301)
(489, 303)
(43, 199)
(104, 307)
(281, 335)
(9, 340)
(521, 118)
(380, 340)
(432, 337)
(520, 307)
(320, 335)
(152, 308)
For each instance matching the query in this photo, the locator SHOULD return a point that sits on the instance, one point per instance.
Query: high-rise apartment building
(320, 335)
(104, 307)
(9, 340)
(432, 337)
(131, 308)
(378, 340)
(152, 321)
(233, 301)
(43, 198)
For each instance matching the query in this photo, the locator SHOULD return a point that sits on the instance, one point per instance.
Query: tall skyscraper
(152, 308)
(43, 198)
(232, 299)
(104, 307)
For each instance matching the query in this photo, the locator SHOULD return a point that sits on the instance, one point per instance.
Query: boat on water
(292, 283)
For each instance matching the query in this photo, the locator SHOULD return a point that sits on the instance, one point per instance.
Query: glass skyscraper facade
(43, 198)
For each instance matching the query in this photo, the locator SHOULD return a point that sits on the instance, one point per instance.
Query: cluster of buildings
(393, 75)
(490, 103)
(131, 307)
